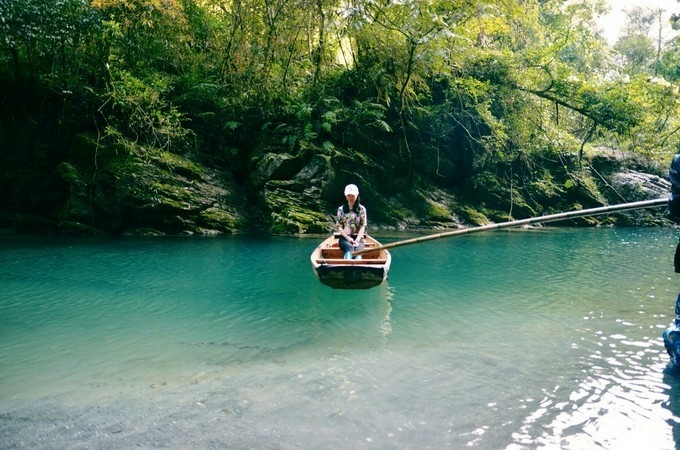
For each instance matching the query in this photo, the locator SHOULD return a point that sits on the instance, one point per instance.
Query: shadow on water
(671, 378)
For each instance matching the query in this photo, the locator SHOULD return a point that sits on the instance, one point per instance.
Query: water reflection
(611, 401)
(386, 325)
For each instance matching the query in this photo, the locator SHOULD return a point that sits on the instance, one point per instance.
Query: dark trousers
(346, 246)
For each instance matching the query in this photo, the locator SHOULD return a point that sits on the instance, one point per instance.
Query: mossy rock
(436, 212)
(299, 222)
(218, 219)
(141, 189)
(295, 208)
(471, 216)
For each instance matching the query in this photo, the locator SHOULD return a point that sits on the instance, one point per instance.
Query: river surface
(522, 339)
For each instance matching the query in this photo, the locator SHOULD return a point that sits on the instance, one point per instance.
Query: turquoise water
(508, 339)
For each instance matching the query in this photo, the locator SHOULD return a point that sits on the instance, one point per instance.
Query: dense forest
(205, 116)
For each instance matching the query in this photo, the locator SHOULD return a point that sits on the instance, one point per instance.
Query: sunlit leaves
(659, 125)
(148, 118)
(145, 34)
(471, 82)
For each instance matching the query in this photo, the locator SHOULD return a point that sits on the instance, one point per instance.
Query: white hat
(352, 189)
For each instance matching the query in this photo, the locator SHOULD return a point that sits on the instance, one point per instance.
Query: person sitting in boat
(351, 221)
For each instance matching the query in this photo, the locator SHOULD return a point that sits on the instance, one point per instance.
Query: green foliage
(467, 96)
(638, 53)
(45, 37)
(141, 110)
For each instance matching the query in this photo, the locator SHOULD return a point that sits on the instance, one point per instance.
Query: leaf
(384, 126)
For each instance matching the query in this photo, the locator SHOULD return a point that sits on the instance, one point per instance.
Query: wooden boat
(334, 271)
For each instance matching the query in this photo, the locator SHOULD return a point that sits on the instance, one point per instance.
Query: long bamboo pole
(532, 220)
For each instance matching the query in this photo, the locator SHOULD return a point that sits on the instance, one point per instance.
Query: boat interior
(332, 254)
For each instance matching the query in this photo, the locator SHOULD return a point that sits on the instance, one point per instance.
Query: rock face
(628, 178)
(136, 190)
(639, 185)
(292, 191)
(152, 192)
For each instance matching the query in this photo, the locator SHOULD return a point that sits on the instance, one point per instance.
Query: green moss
(393, 210)
(298, 221)
(172, 195)
(179, 165)
(294, 208)
(436, 211)
(216, 218)
(283, 224)
(546, 189)
(470, 215)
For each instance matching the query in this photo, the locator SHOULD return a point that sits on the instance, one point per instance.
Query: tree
(638, 53)
(444, 92)
(644, 40)
(41, 37)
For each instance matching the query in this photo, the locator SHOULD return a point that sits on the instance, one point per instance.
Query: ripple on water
(507, 340)
(612, 399)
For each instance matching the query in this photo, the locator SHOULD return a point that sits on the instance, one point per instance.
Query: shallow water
(508, 339)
